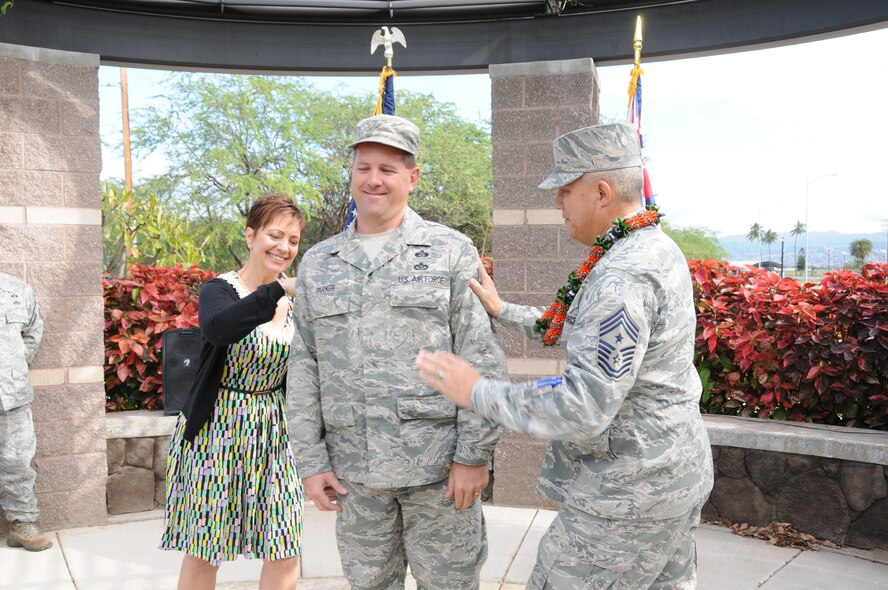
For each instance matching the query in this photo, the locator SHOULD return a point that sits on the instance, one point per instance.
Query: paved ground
(124, 556)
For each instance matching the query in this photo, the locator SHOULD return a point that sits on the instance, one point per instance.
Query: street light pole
(807, 185)
(781, 257)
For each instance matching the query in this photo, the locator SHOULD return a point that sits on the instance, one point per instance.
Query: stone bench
(138, 444)
(828, 481)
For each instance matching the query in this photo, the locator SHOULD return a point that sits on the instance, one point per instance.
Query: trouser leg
(18, 444)
(369, 536)
(445, 547)
(581, 551)
(680, 571)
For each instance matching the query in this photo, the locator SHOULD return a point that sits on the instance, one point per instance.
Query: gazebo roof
(333, 36)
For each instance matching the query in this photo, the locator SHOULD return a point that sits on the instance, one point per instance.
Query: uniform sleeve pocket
(337, 415)
(432, 408)
(17, 316)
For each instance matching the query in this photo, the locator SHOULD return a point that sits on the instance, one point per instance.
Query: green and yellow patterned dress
(235, 489)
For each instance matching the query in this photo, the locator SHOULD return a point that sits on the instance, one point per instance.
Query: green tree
(696, 243)
(230, 138)
(755, 235)
(798, 229)
(860, 249)
(800, 260)
(768, 238)
(136, 227)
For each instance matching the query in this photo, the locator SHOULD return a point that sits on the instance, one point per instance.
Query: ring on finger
(441, 374)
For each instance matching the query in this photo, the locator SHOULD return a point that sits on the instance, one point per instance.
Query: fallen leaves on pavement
(780, 534)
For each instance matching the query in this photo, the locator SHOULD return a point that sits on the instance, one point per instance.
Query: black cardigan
(224, 320)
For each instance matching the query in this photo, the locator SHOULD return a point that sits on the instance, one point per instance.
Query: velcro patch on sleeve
(548, 383)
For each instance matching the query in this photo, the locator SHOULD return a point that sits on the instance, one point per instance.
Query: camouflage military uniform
(357, 407)
(630, 459)
(21, 328)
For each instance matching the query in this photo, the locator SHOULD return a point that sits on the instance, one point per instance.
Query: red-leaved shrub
(765, 346)
(773, 348)
(137, 312)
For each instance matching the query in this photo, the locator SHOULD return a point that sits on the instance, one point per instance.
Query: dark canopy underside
(333, 36)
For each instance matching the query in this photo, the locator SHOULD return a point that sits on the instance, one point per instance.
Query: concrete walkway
(123, 555)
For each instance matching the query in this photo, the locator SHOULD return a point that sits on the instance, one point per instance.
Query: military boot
(27, 535)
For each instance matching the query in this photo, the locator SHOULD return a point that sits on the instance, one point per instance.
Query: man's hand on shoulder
(324, 490)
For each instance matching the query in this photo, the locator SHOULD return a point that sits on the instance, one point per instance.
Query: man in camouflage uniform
(402, 465)
(629, 460)
(21, 328)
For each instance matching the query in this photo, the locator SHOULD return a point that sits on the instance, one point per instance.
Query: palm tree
(769, 237)
(860, 249)
(755, 235)
(795, 232)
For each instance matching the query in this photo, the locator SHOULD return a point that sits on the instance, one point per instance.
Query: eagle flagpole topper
(385, 103)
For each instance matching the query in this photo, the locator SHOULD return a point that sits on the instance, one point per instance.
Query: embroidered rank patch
(548, 382)
(617, 339)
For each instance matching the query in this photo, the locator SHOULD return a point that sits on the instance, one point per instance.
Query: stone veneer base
(831, 482)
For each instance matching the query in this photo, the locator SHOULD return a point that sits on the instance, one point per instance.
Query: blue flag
(385, 105)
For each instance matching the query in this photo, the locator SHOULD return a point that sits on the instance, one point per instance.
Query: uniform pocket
(328, 306)
(430, 408)
(596, 447)
(414, 295)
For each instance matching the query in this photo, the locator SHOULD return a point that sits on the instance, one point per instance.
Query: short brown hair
(271, 205)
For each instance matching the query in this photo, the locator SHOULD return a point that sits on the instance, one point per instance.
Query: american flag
(634, 114)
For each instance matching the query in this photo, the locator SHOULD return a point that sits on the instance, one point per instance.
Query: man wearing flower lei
(629, 457)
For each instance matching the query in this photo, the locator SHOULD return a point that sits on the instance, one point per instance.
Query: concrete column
(51, 236)
(533, 103)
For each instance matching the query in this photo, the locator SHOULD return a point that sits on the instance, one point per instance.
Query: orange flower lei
(551, 323)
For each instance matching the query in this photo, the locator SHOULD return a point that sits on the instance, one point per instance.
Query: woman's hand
(486, 290)
(289, 285)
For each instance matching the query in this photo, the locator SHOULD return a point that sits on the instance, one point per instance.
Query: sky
(730, 140)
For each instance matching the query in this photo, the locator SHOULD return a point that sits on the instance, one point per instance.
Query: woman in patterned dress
(232, 486)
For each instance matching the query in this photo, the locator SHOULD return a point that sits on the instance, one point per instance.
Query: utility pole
(129, 238)
(127, 159)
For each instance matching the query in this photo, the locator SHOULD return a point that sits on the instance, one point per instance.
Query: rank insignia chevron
(617, 339)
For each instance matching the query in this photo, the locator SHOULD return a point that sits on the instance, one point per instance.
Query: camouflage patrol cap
(390, 130)
(593, 149)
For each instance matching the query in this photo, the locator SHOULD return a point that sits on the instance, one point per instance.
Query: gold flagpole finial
(637, 42)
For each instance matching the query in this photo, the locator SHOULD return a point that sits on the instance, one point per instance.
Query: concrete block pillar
(51, 237)
(533, 103)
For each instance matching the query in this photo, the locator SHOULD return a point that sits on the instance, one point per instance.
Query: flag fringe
(386, 73)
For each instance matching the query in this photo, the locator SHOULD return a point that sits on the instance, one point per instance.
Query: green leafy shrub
(138, 310)
(772, 348)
